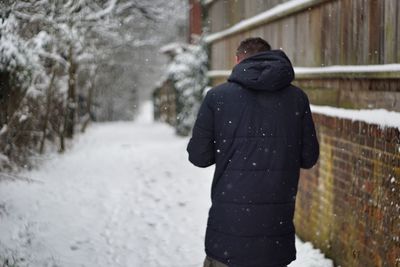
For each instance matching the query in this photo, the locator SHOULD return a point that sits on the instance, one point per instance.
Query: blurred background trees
(65, 63)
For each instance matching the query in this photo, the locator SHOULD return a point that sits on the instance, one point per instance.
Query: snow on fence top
(381, 117)
(383, 71)
(172, 47)
(349, 68)
(218, 73)
(274, 13)
(389, 70)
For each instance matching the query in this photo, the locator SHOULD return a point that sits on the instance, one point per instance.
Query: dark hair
(251, 46)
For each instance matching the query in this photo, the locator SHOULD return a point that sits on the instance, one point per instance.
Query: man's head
(251, 46)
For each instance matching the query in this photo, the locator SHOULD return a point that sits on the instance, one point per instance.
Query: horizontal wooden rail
(385, 71)
(218, 73)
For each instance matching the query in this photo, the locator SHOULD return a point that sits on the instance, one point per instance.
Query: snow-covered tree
(83, 31)
(17, 62)
(58, 54)
(188, 71)
(19, 68)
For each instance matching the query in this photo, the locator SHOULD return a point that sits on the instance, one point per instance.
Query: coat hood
(266, 71)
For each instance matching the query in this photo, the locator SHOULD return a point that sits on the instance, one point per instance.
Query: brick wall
(349, 203)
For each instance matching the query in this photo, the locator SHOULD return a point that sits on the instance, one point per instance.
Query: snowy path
(125, 195)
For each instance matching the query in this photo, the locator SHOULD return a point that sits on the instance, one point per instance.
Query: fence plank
(390, 12)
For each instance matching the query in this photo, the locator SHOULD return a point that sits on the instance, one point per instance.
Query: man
(258, 130)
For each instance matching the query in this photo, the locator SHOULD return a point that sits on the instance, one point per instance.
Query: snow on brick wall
(349, 203)
(381, 117)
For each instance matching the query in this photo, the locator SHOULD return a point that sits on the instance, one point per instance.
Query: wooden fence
(331, 32)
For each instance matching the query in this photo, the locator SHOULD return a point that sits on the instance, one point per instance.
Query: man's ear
(237, 59)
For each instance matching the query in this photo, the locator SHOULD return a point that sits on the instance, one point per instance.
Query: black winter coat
(258, 130)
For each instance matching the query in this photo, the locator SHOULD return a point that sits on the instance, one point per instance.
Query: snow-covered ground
(124, 195)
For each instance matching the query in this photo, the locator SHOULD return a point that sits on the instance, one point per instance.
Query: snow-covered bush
(15, 56)
(188, 71)
(18, 65)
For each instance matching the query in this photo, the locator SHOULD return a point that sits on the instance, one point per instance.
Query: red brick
(364, 160)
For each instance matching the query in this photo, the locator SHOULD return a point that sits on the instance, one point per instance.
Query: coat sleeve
(201, 145)
(310, 145)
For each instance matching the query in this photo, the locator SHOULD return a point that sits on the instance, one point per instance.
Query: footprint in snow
(151, 224)
(126, 146)
(77, 244)
(3, 210)
(74, 247)
(182, 204)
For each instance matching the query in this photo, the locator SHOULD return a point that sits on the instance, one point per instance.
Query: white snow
(381, 117)
(146, 113)
(348, 69)
(308, 256)
(3, 129)
(14, 52)
(124, 195)
(22, 118)
(172, 47)
(110, 7)
(345, 69)
(276, 12)
(219, 73)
